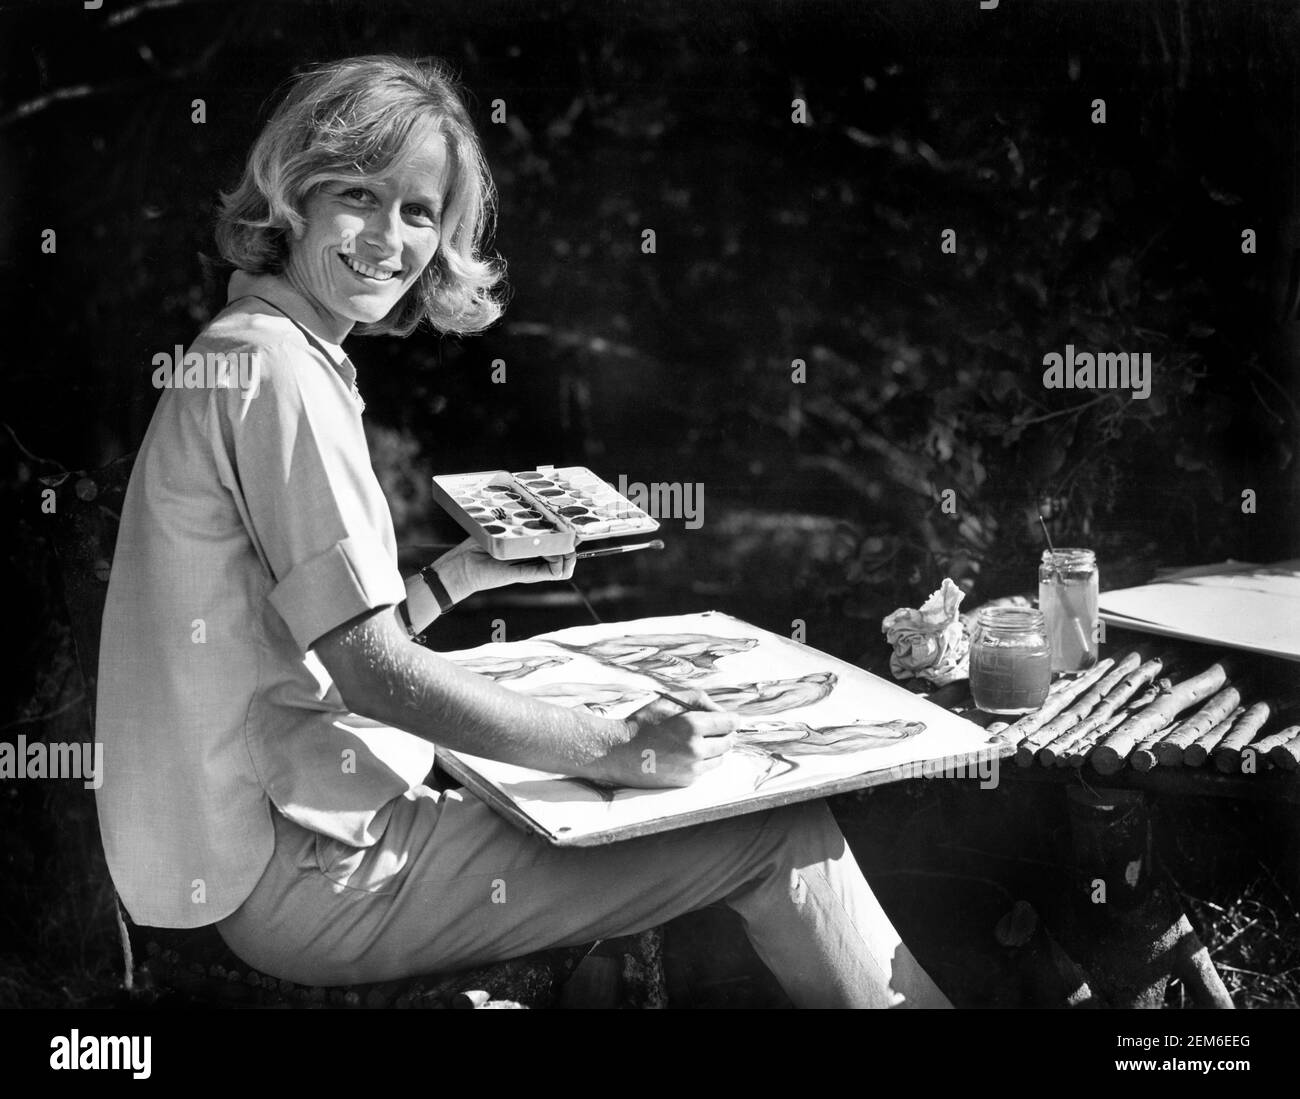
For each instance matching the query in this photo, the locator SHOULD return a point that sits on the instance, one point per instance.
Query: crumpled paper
(931, 643)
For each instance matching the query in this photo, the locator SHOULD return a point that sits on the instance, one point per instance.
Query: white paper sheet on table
(1241, 606)
(839, 727)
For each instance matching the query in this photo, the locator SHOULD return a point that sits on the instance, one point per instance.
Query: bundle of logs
(1149, 712)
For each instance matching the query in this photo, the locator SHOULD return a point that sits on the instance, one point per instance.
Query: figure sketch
(783, 741)
(779, 744)
(502, 668)
(760, 699)
(804, 721)
(687, 656)
(665, 656)
(773, 696)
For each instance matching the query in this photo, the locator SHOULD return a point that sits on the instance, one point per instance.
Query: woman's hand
(470, 568)
(669, 746)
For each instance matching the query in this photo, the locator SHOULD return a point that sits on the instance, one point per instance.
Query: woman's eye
(358, 194)
(422, 212)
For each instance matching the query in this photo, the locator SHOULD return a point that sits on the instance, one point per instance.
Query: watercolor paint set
(542, 512)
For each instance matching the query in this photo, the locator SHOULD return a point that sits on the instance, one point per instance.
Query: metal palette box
(542, 512)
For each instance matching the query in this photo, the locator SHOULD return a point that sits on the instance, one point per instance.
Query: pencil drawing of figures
(503, 668)
(666, 656)
(759, 699)
(783, 741)
(773, 696)
(670, 658)
(777, 745)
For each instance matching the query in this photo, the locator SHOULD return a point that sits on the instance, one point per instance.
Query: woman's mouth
(365, 271)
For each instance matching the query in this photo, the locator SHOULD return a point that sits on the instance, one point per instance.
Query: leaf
(1004, 383)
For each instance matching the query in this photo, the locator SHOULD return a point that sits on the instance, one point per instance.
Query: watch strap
(434, 583)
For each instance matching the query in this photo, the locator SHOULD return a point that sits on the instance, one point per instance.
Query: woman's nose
(385, 230)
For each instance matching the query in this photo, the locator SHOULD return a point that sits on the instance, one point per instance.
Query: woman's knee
(809, 830)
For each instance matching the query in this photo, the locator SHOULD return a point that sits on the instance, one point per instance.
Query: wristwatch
(434, 583)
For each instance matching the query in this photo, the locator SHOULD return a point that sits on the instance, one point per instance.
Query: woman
(267, 722)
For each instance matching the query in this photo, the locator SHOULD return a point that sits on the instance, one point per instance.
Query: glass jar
(1067, 596)
(1010, 660)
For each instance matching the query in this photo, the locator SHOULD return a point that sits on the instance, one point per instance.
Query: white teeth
(365, 269)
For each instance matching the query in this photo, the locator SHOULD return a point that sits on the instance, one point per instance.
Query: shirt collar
(285, 298)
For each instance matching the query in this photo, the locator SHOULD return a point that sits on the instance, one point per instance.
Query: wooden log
(1052, 752)
(1079, 751)
(1196, 753)
(1064, 683)
(1071, 759)
(1109, 756)
(1170, 750)
(1076, 711)
(1031, 723)
(1144, 757)
(1193, 966)
(1227, 756)
(1283, 748)
(1156, 748)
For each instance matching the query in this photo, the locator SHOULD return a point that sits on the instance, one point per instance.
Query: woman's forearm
(383, 676)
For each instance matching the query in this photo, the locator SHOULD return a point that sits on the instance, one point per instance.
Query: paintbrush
(694, 706)
(1069, 610)
(656, 544)
(609, 551)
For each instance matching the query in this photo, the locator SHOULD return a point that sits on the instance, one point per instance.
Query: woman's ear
(296, 216)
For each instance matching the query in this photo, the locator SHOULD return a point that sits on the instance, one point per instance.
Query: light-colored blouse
(253, 524)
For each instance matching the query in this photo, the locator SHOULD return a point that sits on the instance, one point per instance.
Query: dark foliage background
(775, 242)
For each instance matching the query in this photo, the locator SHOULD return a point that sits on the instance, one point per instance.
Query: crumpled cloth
(931, 643)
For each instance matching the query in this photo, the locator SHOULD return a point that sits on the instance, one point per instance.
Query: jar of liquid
(1067, 596)
(1010, 660)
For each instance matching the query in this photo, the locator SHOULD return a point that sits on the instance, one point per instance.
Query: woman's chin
(369, 312)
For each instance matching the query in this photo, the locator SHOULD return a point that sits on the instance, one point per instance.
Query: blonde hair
(357, 117)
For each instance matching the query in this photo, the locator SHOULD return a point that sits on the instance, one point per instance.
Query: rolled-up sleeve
(311, 499)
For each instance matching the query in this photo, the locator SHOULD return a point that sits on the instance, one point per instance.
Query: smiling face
(367, 239)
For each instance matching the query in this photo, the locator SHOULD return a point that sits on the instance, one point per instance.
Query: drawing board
(810, 725)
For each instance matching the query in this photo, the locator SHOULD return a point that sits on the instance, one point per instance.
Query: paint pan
(542, 512)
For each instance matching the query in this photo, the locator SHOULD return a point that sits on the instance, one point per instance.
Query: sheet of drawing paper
(810, 724)
(1253, 607)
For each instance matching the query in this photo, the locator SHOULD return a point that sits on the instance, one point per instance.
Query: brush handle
(609, 551)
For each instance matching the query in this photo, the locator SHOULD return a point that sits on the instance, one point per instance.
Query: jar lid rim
(1069, 553)
(1028, 616)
